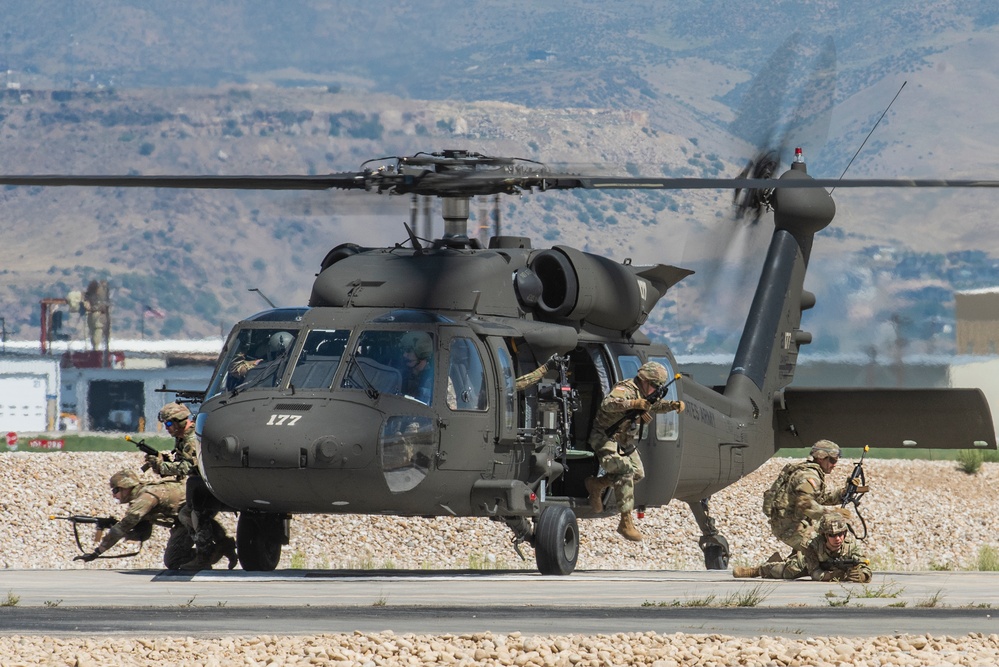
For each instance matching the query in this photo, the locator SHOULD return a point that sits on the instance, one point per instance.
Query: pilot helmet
(124, 479)
(833, 523)
(174, 412)
(825, 449)
(420, 343)
(653, 372)
(278, 343)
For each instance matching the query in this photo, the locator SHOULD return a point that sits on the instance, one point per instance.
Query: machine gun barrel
(189, 395)
(654, 397)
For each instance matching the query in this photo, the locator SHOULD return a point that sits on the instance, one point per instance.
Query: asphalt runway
(298, 602)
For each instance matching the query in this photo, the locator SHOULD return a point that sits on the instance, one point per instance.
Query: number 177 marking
(283, 420)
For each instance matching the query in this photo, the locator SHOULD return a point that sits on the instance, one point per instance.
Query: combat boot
(202, 561)
(225, 548)
(745, 572)
(595, 487)
(628, 529)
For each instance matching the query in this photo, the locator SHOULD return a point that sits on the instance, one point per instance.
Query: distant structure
(977, 315)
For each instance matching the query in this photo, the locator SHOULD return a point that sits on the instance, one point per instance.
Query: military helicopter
(314, 409)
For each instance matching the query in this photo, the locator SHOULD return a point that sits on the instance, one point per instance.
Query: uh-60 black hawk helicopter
(310, 409)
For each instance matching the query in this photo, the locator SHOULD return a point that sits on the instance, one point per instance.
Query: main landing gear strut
(712, 543)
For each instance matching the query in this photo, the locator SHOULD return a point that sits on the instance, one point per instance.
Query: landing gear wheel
(715, 550)
(556, 540)
(715, 558)
(258, 541)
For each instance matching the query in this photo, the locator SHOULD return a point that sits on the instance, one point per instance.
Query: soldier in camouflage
(618, 453)
(832, 555)
(210, 539)
(798, 499)
(155, 503)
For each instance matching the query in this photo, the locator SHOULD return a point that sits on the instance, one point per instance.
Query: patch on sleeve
(814, 484)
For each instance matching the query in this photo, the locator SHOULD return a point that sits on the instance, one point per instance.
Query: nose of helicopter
(290, 434)
(299, 454)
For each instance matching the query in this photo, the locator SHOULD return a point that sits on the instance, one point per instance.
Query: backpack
(777, 498)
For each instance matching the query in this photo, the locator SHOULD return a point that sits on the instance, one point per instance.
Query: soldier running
(156, 503)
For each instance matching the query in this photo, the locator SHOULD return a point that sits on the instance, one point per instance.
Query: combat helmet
(278, 343)
(833, 523)
(174, 412)
(825, 449)
(420, 343)
(124, 479)
(653, 372)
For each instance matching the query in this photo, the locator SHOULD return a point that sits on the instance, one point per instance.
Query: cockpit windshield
(255, 357)
(394, 362)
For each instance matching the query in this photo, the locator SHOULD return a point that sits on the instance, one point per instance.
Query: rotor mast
(454, 210)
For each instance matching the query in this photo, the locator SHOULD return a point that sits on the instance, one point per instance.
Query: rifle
(102, 523)
(843, 563)
(147, 450)
(856, 487)
(654, 397)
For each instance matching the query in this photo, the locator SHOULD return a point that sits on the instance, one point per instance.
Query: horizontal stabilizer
(892, 418)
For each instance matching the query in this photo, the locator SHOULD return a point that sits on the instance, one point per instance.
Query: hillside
(636, 90)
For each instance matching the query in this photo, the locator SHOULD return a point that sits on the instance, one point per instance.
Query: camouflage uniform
(815, 558)
(532, 378)
(198, 512)
(618, 454)
(157, 503)
(804, 499)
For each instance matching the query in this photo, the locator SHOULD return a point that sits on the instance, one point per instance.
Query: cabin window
(667, 423)
(466, 388)
(507, 393)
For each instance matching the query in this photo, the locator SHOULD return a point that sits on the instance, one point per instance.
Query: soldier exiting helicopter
(211, 542)
(617, 452)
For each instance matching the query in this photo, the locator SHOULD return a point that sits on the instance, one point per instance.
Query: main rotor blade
(471, 184)
(289, 182)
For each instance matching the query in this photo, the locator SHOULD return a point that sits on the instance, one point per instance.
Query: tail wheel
(556, 540)
(258, 540)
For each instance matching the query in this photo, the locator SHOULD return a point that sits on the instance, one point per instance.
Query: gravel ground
(921, 515)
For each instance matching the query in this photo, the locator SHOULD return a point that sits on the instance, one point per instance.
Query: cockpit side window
(466, 377)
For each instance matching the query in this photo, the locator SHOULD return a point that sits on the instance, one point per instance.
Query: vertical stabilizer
(768, 350)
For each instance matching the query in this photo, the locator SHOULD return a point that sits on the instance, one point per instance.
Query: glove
(154, 462)
(646, 417)
(679, 406)
(637, 404)
(86, 558)
(857, 576)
